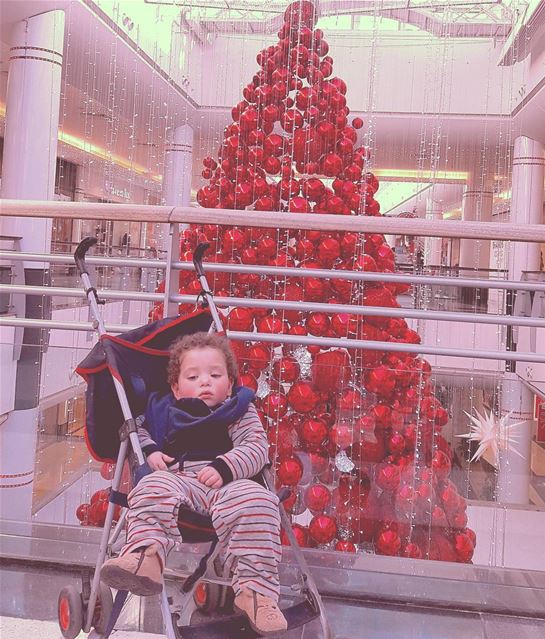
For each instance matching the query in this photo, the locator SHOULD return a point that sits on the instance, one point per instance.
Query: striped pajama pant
(244, 514)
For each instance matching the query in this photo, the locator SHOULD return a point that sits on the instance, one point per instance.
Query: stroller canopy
(138, 359)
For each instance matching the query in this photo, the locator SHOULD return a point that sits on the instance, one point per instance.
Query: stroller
(121, 372)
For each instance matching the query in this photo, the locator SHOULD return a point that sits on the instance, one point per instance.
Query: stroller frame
(81, 611)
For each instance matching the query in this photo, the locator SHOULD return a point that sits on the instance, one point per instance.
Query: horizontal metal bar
(387, 346)
(282, 305)
(364, 276)
(275, 219)
(375, 311)
(419, 349)
(60, 291)
(55, 258)
(63, 326)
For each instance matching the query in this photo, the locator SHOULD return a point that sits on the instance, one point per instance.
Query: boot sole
(121, 579)
(261, 633)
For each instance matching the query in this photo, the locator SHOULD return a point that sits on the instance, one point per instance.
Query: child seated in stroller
(204, 442)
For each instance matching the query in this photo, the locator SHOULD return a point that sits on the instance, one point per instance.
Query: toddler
(204, 442)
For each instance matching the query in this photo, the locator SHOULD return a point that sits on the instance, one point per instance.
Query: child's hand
(210, 477)
(158, 460)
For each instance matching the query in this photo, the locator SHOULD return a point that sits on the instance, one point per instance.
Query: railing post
(172, 277)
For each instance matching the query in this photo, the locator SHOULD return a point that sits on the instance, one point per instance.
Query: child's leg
(247, 522)
(152, 531)
(152, 519)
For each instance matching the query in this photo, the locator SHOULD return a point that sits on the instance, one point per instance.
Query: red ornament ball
(317, 498)
(290, 471)
(302, 397)
(323, 529)
(345, 546)
(388, 543)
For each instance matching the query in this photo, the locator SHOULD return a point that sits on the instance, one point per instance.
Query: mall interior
(362, 171)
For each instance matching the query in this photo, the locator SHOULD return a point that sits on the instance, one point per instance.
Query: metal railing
(360, 224)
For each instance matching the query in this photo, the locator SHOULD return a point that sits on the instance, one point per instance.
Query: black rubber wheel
(103, 608)
(70, 612)
(229, 600)
(207, 597)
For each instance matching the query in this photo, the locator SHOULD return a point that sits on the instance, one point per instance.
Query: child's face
(203, 374)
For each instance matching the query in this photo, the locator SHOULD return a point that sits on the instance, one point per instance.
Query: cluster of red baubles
(291, 124)
(292, 127)
(94, 512)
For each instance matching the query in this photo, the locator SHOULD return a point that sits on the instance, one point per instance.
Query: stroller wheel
(103, 608)
(70, 612)
(207, 597)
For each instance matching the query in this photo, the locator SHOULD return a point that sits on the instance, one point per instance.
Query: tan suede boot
(263, 613)
(138, 572)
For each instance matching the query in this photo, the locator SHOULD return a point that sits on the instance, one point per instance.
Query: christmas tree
(355, 434)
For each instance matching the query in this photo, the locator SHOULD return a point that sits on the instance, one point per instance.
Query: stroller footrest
(239, 628)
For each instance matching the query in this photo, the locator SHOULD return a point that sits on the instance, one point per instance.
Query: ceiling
(149, 102)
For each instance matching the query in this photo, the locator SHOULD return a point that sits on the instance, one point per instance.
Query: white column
(476, 206)
(32, 123)
(517, 407)
(527, 195)
(178, 171)
(526, 208)
(432, 245)
(30, 151)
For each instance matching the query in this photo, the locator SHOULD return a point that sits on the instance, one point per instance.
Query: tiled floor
(33, 597)
(13, 628)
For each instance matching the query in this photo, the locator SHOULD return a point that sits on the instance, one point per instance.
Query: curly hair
(200, 340)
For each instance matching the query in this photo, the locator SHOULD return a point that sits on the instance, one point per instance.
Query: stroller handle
(81, 250)
(198, 254)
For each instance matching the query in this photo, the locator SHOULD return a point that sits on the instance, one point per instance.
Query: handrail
(274, 219)
(279, 338)
(364, 276)
(284, 305)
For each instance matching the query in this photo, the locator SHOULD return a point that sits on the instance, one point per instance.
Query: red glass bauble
(317, 498)
(301, 535)
(441, 465)
(100, 495)
(313, 288)
(248, 380)
(412, 551)
(317, 324)
(319, 462)
(330, 370)
(332, 165)
(286, 369)
(290, 471)
(313, 433)
(274, 405)
(388, 543)
(342, 436)
(240, 319)
(298, 204)
(270, 324)
(82, 512)
(380, 380)
(328, 251)
(302, 397)
(357, 123)
(258, 356)
(351, 400)
(107, 471)
(396, 443)
(345, 546)
(323, 529)
(388, 477)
